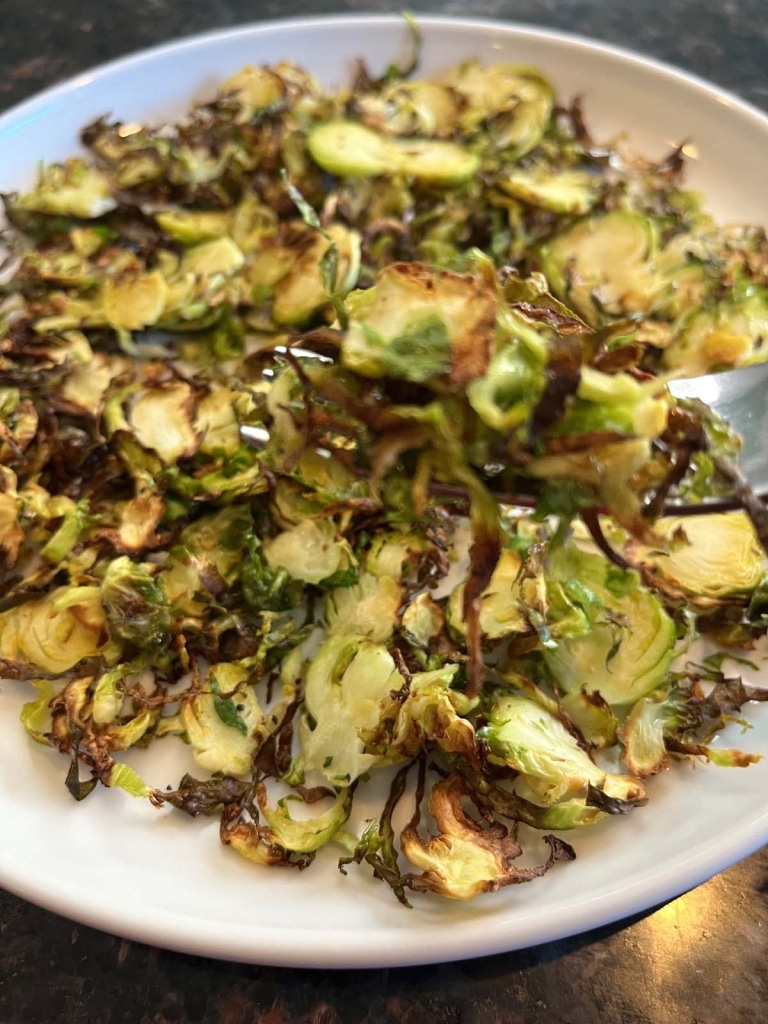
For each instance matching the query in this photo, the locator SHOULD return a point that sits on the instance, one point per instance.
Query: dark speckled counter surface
(702, 959)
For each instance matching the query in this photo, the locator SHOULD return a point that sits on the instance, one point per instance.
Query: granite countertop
(701, 959)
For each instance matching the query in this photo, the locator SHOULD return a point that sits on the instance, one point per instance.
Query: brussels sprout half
(604, 266)
(348, 149)
(552, 765)
(704, 560)
(624, 641)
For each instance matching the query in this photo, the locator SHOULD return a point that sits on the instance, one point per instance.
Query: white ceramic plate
(165, 879)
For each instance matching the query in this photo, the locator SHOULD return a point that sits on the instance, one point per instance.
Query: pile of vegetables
(415, 296)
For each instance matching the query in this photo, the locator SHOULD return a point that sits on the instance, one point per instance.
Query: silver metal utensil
(740, 397)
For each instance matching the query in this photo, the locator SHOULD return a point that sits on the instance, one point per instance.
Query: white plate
(165, 879)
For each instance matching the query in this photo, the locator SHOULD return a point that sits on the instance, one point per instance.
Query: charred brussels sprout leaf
(135, 604)
(465, 857)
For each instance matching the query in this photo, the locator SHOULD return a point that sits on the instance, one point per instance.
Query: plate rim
(88, 77)
(348, 949)
(351, 950)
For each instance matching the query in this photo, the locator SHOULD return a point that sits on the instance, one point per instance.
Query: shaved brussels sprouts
(501, 604)
(74, 188)
(305, 836)
(730, 334)
(610, 636)
(515, 102)
(552, 765)
(349, 149)
(55, 632)
(131, 303)
(464, 859)
(309, 551)
(221, 722)
(568, 191)
(604, 266)
(368, 607)
(345, 684)
(134, 603)
(265, 374)
(420, 326)
(411, 108)
(434, 712)
(702, 561)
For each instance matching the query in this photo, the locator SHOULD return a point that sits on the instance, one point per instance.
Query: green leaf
(329, 273)
(328, 264)
(394, 72)
(36, 715)
(329, 267)
(79, 790)
(126, 778)
(308, 215)
(346, 577)
(421, 352)
(226, 710)
(263, 589)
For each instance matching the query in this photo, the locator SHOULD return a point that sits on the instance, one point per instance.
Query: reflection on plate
(156, 877)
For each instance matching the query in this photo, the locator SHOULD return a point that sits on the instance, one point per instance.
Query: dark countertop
(702, 959)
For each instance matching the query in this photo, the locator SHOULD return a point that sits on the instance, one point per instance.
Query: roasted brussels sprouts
(415, 296)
